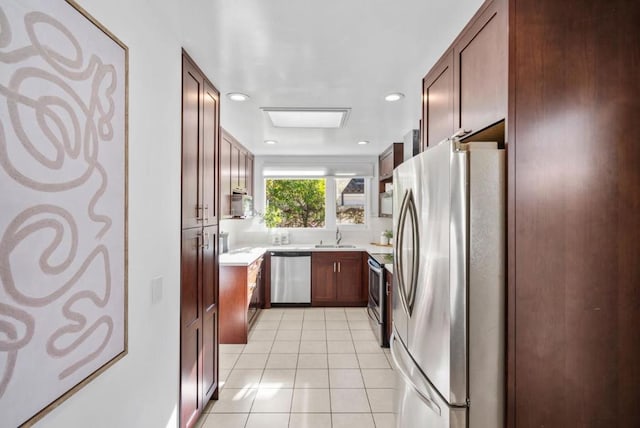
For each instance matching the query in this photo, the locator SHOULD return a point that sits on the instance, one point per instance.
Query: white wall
(141, 390)
(253, 231)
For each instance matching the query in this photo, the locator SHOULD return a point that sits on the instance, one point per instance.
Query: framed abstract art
(63, 209)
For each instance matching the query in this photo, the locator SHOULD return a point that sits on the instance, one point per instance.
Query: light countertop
(247, 255)
(241, 257)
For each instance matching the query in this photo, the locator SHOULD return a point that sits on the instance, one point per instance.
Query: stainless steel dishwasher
(290, 277)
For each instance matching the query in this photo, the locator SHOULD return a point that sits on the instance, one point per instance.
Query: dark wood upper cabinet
(387, 162)
(242, 170)
(200, 142)
(226, 148)
(467, 88)
(236, 171)
(480, 64)
(192, 91)
(389, 159)
(249, 174)
(210, 138)
(235, 167)
(437, 102)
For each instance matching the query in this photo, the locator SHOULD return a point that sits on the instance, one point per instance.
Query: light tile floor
(305, 368)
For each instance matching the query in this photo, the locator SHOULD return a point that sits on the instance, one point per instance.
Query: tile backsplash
(252, 232)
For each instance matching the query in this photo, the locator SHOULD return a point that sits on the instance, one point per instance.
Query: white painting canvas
(63, 184)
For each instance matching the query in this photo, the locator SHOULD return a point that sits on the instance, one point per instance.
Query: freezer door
(437, 335)
(418, 405)
(406, 180)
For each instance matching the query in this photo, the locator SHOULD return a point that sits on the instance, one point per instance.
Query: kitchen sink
(335, 246)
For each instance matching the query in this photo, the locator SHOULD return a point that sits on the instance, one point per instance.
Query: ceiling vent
(307, 117)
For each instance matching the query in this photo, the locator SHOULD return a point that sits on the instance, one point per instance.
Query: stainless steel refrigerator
(449, 287)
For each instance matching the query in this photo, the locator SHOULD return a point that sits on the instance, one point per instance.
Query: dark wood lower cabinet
(190, 328)
(336, 279)
(574, 214)
(256, 302)
(199, 322)
(210, 313)
(241, 291)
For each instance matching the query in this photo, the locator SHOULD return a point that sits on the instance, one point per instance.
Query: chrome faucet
(338, 236)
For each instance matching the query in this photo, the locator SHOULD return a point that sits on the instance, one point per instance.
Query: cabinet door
(191, 137)
(323, 278)
(437, 102)
(481, 68)
(210, 117)
(233, 300)
(209, 311)
(190, 327)
(349, 278)
(386, 163)
(226, 147)
(249, 174)
(235, 168)
(242, 170)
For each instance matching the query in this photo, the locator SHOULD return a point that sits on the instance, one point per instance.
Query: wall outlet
(156, 289)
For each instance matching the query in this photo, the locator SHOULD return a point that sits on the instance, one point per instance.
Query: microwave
(386, 204)
(241, 205)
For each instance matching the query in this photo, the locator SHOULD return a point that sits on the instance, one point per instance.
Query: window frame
(330, 194)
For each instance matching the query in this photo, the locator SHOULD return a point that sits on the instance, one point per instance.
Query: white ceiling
(330, 53)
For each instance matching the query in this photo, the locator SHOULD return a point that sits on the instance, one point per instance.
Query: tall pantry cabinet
(199, 266)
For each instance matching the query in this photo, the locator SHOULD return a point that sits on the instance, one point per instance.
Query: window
(350, 201)
(294, 202)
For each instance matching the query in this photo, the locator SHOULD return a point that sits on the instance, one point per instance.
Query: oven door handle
(377, 269)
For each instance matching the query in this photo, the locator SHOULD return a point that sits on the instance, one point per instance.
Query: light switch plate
(156, 289)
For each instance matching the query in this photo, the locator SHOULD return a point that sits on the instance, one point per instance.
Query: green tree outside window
(295, 203)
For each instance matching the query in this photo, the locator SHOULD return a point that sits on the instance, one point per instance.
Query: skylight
(307, 117)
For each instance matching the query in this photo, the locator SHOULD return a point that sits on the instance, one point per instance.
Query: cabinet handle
(460, 133)
(334, 267)
(205, 213)
(206, 246)
(339, 263)
(388, 289)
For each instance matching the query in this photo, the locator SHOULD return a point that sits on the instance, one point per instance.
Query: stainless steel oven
(377, 300)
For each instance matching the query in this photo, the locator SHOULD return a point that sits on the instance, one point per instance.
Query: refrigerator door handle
(426, 400)
(397, 262)
(413, 212)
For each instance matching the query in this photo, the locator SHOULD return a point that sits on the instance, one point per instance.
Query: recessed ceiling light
(271, 142)
(307, 117)
(237, 96)
(363, 142)
(394, 96)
